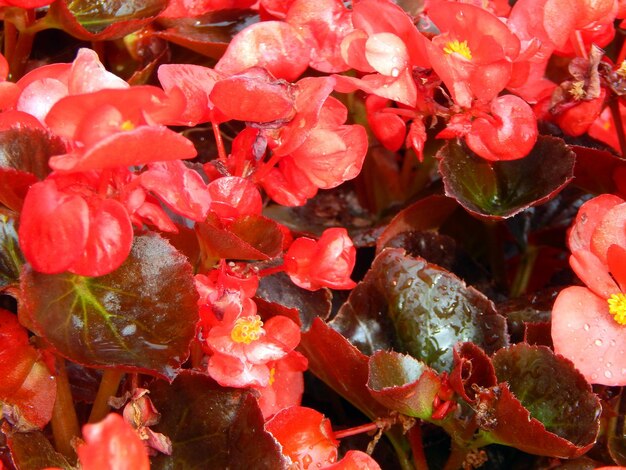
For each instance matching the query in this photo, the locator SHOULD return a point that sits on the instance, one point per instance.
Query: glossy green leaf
(141, 316)
(11, 257)
(431, 310)
(212, 426)
(403, 384)
(502, 189)
(104, 19)
(543, 404)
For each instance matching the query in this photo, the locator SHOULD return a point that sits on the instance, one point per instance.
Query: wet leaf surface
(502, 189)
(141, 316)
(543, 404)
(431, 310)
(212, 426)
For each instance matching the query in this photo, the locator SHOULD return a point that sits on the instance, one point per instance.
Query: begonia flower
(112, 444)
(327, 262)
(306, 437)
(589, 323)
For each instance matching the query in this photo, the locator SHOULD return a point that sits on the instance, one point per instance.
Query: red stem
(265, 169)
(221, 151)
(619, 124)
(355, 430)
(417, 447)
(271, 270)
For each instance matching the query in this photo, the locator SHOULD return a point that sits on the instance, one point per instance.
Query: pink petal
(386, 53)
(610, 231)
(588, 218)
(593, 272)
(584, 332)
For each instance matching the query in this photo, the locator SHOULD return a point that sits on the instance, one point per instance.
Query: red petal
(112, 444)
(54, 227)
(274, 45)
(110, 239)
(253, 97)
(142, 145)
(588, 218)
(584, 331)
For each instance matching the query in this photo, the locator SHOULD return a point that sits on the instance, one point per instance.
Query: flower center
(272, 375)
(617, 307)
(621, 71)
(247, 329)
(127, 126)
(458, 47)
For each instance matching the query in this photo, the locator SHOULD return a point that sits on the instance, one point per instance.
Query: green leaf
(141, 316)
(403, 384)
(212, 426)
(543, 405)
(431, 310)
(11, 257)
(105, 19)
(502, 189)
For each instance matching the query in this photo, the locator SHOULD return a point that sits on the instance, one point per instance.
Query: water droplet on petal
(609, 365)
(395, 72)
(624, 371)
(586, 326)
(608, 374)
(612, 343)
(594, 376)
(598, 342)
(307, 460)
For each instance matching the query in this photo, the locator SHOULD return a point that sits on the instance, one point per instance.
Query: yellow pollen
(127, 126)
(458, 47)
(621, 71)
(247, 329)
(272, 375)
(577, 90)
(617, 307)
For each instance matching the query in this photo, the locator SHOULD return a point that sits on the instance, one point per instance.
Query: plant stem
(108, 388)
(64, 421)
(417, 447)
(221, 151)
(619, 124)
(496, 258)
(355, 430)
(524, 271)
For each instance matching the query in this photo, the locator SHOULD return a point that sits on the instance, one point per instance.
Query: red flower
(326, 262)
(306, 437)
(589, 323)
(112, 444)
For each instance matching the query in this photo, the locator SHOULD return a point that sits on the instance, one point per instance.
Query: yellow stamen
(621, 71)
(458, 47)
(127, 126)
(247, 329)
(272, 375)
(617, 307)
(577, 90)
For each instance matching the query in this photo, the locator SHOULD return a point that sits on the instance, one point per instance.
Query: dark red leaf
(11, 258)
(135, 317)
(32, 451)
(471, 367)
(499, 190)
(340, 365)
(108, 19)
(251, 237)
(212, 426)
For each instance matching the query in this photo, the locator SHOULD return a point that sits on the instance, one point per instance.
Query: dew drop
(609, 365)
(395, 72)
(586, 327)
(612, 343)
(608, 374)
(598, 342)
(307, 460)
(594, 376)
(624, 371)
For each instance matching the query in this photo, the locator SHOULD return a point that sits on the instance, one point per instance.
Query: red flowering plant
(227, 224)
